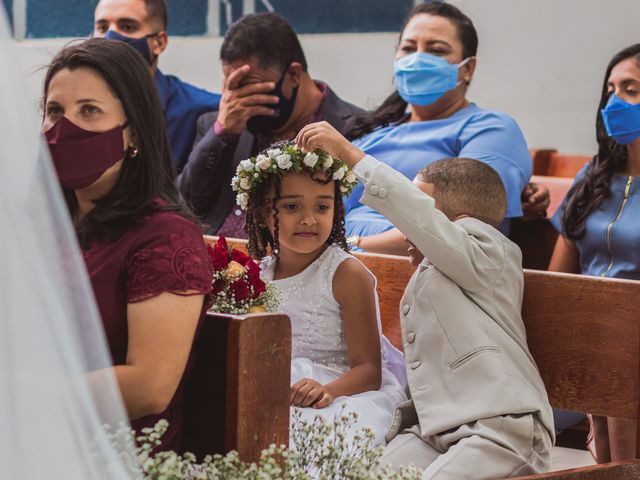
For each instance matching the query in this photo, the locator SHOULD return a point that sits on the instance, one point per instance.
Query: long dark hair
(394, 108)
(260, 238)
(592, 189)
(145, 183)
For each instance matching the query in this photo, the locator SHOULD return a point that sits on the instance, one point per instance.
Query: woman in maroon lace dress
(145, 255)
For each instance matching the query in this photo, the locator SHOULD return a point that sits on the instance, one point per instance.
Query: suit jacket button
(411, 337)
(373, 190)
(405, 309)
(382, 193)
(415, 365)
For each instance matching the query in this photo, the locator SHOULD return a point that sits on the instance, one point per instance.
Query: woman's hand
(323, 136)
(535, 200)
(309, 393)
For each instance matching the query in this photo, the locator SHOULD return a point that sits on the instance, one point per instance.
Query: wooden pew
(550, 163)
(236, 396)
(583, 332)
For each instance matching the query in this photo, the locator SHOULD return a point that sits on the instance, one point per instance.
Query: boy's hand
(309, 393)
(323, 136)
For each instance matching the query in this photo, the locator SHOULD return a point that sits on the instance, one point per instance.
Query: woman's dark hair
(592, 189)
(394, 108)
(145, 183)
(266, 36)
(259, 235)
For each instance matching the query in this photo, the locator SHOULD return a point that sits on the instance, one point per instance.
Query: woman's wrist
(354, 241)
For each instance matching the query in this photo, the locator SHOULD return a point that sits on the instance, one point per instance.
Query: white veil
(52, 410)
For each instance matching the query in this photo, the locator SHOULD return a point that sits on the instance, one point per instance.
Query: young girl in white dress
(295, 213)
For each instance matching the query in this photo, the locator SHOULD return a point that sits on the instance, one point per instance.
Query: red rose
(217, 286)
(240, 289)
(253, 276)
(219, 255)
(240, 257)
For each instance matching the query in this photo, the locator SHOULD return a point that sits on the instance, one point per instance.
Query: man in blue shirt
(143, 25)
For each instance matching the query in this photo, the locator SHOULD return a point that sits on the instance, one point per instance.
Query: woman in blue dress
(428, 117)
(598, 221)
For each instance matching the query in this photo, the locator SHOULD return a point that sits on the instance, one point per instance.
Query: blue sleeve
(556, 220)
(496, 140)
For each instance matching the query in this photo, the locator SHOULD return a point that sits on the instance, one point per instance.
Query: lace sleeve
(170, 261)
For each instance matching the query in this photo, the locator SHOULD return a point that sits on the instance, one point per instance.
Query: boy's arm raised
(473, 262)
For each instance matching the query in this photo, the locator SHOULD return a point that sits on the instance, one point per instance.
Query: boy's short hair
(467, 186)
(265, 36)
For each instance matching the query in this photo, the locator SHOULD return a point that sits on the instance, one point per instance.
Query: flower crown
(282, 160)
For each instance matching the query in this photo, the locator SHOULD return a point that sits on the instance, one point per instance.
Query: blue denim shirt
(611, 252)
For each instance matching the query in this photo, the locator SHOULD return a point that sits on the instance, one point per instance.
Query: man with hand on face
(143, 25)
(267, 96)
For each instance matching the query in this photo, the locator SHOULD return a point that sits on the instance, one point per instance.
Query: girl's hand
(323, 136)
(309, 393)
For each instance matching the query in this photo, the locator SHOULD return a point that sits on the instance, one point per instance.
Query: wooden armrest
(237, 393)
(258, 382)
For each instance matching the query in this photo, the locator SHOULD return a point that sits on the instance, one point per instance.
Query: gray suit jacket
(205, 181)
(464, 339)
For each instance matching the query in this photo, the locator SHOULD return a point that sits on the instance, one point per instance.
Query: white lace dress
(319, 349)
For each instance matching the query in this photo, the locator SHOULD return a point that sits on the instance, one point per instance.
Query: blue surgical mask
(140, 44)
(621, 120)
(423, 78)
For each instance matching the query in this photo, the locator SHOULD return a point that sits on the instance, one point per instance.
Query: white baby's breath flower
(339, 174)
(327, 162)
(274, 153)
(245, 184)
(243, 200)
(247, 165)
(235, 183)
(284, 161)
(263, 162)
(310, 159)
(351, 177)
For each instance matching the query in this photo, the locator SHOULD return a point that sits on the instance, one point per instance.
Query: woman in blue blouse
(598, 221)
(434, 65)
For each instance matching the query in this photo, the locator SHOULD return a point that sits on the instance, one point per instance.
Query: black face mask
(284, 109)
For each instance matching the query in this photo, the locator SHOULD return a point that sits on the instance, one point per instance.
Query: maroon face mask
(81, 156)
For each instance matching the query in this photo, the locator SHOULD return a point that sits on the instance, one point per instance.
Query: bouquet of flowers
(237, 286)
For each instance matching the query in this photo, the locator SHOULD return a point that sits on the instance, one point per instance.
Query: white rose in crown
(274, 153)
(310, 159)
(284, 161)
(340, 173)
(247, 165)
(263, 162)
(328, 162)
(245, 184)
(242, 199)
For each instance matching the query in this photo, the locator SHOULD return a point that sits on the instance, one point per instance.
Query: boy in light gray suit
(478, 407)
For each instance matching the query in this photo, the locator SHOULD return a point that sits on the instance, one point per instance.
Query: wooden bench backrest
(550, 163)
(558, 188)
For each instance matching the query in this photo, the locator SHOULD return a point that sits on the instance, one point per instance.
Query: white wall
(541, 61)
